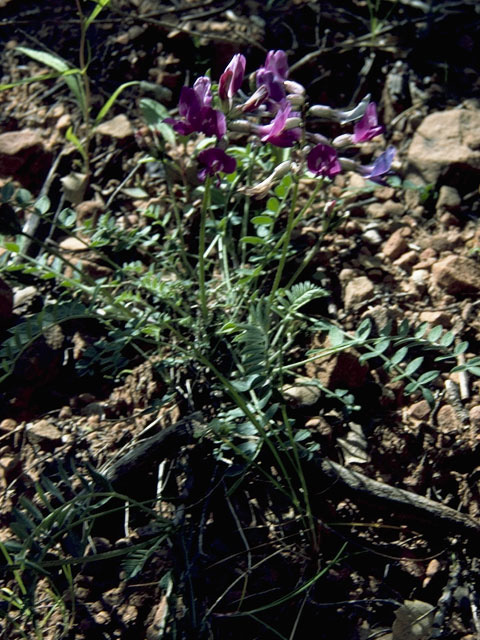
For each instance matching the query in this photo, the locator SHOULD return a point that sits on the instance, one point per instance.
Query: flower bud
(232, 78)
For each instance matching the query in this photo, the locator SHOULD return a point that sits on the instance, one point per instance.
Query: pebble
(301, 395)
(436, 318)
(420, 410)
(395, 245)
(8, 424)
(447, 419)
(372, 237)
(448, 198)
(474, 415)
(457, 274)
(358, 290)
(118, 127)
(44, 433)
(407, 260)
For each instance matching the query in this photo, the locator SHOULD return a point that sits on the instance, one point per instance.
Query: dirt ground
(59, 425)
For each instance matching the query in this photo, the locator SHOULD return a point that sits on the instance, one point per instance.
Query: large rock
(444, 139)
(457, 274)
(23, 157)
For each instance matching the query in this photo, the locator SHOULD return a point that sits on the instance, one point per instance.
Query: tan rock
(419, 410)
(436, 318)
(118, 127)
(395, 245)
(443, 139)
(73, 245)
(358, 290)
(448, 199)
(23, 156)
(44, 433)
(457, 274)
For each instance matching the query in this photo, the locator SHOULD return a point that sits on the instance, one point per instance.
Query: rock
(447, 419)
(395, 245)
(407, 260)
(118, 127)
(89, 209)
(44, 433)
(73, 245)
(27, 300)
(436, 318)
(448, 199)
(420, 277)
(457, 274)
(442, 241)
(444, 139)
(301, 395)
(63, 122)
(8, 424)
(372, 237)
(419, 410)
(342, 371)
(474, 416)
(358, 290)
(16, 147)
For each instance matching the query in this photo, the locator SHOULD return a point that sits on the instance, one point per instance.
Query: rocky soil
(402, 253)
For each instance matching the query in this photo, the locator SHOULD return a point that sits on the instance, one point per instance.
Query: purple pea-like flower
(273, 75)
(214, 161)
(322, 160)
(203, 88)
(368, 127)
(277, 132)
(380, 167)
(196, 112)
(232, 78)
(276, 62)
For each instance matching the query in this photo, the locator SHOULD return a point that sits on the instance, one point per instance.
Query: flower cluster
(272, 114)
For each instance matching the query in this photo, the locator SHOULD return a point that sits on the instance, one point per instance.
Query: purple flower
(277, 132)
(215, 160)
(196, 112)
(203, 88)
(322, 160)
(276, 62)
(380, 167)
(273, 75)
(232, 78)
(368, 127)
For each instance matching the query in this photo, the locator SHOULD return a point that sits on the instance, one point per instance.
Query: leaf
(413, 621)
(70, 75)
(101, 4)
(414, 365)
(447, 339)
(428, 376)
(252, 240)
(435, 333)
(399, 356)
(336, 337)
(273, 204)
(42, 205)
(262, 220)
(420, 331)
(110, 102)
(72, 137)
(363, 331)
(135, 192)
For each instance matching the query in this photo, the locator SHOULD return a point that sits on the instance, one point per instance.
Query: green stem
(201, 248)
(286, 242)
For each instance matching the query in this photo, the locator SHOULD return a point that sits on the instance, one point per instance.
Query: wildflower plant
(222, 297)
